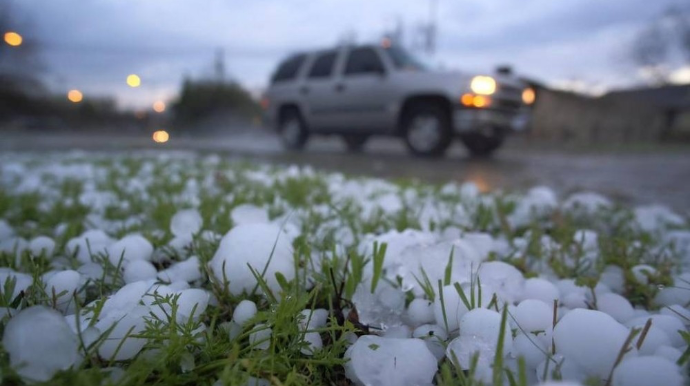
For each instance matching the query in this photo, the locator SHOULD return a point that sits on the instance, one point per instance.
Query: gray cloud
(94, 44)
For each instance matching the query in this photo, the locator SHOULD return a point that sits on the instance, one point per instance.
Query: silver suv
(360, 91)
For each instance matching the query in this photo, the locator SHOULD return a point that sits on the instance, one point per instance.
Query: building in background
(652, 114)
(672, 103)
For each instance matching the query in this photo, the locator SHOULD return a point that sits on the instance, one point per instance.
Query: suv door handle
(339, 87)
(304, 90)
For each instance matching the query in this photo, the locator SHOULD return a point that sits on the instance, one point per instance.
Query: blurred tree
(199, 100)
(663, 44)
(19, 70)
(650, 51)
(20, 66)
(25, 102)
(682, 21)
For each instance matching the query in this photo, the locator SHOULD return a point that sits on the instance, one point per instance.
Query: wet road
(638, 177)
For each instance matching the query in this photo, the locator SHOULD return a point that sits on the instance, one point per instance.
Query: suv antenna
(431, 28)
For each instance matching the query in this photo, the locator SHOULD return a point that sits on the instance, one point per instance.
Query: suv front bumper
(468, 120)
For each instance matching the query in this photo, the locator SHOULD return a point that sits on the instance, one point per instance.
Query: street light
(75, 96)
(159, 106)
(133, 80)
(13, 39)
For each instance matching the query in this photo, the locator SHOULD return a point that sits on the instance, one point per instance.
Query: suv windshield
(403, 60)
(288, 69)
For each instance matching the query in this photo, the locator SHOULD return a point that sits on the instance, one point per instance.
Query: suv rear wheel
(427, 129)
(293, 132)
(355, 143)
(481, 145)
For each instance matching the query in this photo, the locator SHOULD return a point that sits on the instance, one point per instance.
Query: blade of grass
(379, 255)
(449, 267)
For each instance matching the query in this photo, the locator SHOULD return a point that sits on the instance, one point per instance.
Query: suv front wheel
(293, 132)
(427, 130)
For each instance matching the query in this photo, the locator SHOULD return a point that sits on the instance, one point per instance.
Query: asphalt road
(657, 175)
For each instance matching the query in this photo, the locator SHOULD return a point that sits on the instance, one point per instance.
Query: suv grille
(508, 98)
(508, 104)
(509, 92)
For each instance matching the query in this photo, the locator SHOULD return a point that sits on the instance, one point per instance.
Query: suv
(360, 91)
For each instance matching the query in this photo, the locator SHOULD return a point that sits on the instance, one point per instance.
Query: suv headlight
(483, 85)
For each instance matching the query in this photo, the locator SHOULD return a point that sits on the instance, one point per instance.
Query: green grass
(151, 189)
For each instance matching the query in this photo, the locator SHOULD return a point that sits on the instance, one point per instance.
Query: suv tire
(481, 145)
(293, 132)
(427, 129)
(355, 143)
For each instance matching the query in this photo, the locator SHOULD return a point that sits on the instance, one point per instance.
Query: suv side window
(323, 65)
(363, 61)
(288, 69)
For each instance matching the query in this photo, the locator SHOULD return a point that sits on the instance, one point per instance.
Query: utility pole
(425, 32)
(219, 65)
(394, 33)
(397, 33)
(431, 28)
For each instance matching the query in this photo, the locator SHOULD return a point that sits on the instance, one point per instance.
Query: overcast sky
(94, 44)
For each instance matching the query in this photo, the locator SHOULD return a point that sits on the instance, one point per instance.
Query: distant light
(528, 96)
(75, 96)
(159, 106)
(14, 39)
(265, 103)
(133, 80)
(386, 43)
(161, 136)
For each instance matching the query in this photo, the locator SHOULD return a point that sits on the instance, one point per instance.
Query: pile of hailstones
(408, 339)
